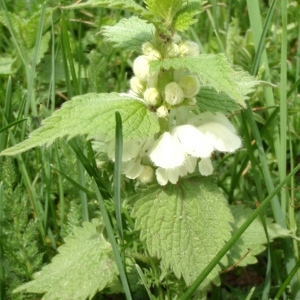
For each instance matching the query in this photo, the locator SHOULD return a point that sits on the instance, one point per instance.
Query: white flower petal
(167, 152)
(220, 137)
(161, 176)
(192, 141)
(165, 175)
(190, 163)
(132, 168)
(205, 167)
(131, 149)
(218, 131)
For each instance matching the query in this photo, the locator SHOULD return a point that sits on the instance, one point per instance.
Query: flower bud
(162, 111)
(141, 67)
(137, 86)
(154, 55)
(147, 48)
(172, 50)
(190, 85)
(152, 96)
(173, 93)
(189, 48)
(147, 175)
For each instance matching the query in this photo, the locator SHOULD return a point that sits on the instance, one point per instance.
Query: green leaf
(186, 16)
(94, 115)
(83, 266)
(6, 65)
(185, 225)
(43, 48)
(246, 82)
(129, 5)
(166, 9)
(130, 33)
(209, 100)
(253, 240)
(214, 71)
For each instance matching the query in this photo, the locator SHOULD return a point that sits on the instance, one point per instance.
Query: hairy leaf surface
(185, 225)
(209, 100)
(93, 115)
(130, 33)
(186, 16)
(166, 9)
(83, 266)
(213, 71)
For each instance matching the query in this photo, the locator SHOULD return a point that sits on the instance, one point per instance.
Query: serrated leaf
(186, 16)
(253, 240)
(83, 266)
(43, 48)
(166, 9)
(213, 71)
(93, 115)
(245, 81)
(130, 33)
(185, 225)
(129, 5)
(209, 100)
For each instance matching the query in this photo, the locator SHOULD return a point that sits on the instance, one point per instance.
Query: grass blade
(118, 172)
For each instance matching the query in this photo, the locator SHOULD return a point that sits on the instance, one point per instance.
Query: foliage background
(39, 207)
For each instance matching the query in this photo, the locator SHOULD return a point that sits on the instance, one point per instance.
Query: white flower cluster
(183, 86)
(191, 137)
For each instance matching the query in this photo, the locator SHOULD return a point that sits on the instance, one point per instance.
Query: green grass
(58, 185)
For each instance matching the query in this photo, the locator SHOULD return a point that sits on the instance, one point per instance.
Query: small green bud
(190, 85)
(173, 93)
(152, 96)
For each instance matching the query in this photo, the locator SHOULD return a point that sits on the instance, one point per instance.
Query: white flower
(218, 130)
(175, 153)
(167, 152)
(172, 175)
(134, 151)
